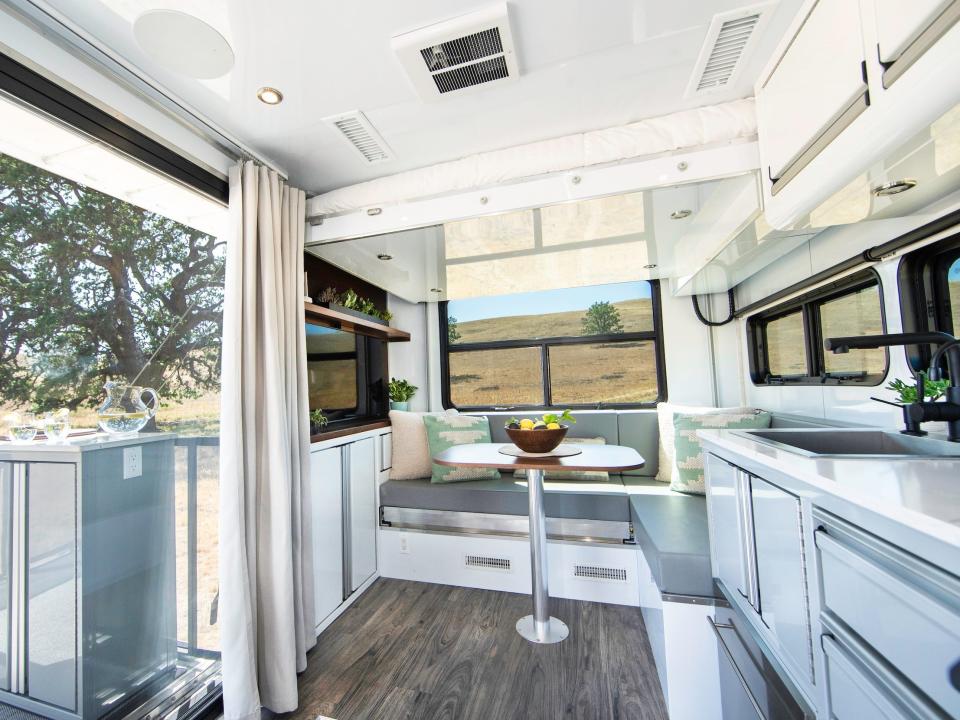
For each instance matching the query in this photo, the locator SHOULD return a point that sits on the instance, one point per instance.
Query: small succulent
(328, 295)
(401, 390)
(318, 419)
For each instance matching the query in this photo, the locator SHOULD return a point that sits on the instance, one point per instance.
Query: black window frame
(19, 81)
(925, 295)
(809, 305)
(544, 344)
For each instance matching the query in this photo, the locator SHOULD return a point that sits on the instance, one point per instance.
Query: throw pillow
(411, 458)
(667, 466)
(449, 430)
(585, 475)
(689, 454)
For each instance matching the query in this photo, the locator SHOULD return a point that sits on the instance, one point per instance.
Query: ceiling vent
(730, 39)
(470, 51)
(354, 127)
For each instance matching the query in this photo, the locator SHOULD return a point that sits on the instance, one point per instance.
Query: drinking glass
(56, 425)
(21, 427)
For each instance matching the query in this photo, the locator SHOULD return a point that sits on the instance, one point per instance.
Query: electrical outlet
(132, 462)
(404, 547)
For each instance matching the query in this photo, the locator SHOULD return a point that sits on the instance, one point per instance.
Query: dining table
(540, 627)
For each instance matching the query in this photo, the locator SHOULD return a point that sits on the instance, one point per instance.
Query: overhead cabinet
(856, 112)
(817, 88)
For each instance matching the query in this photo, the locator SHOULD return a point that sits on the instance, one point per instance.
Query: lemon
(553, 426)
(526, 424)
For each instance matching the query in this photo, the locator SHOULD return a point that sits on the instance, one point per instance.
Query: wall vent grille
(603, 574)
(729, 39)
(466, 52)
(361, 135)
(488, 563)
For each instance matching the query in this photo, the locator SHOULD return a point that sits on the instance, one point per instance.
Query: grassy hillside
(636, 316)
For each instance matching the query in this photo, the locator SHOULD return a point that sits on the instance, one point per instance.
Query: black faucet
(920, 411)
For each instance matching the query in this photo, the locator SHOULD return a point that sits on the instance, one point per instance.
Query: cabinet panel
(52, 582)
(899, 23)
(363, 511)
(726, 542)
(815, 82)
(326, 468)
(852, 694)
(781, 572)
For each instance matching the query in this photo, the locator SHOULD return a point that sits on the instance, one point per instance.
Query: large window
(594, 346)
(110, 271)
(786, 341)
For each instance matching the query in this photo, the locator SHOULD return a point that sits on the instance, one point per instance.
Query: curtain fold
(266, 565)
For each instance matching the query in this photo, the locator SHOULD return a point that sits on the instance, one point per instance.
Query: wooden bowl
(537, 441)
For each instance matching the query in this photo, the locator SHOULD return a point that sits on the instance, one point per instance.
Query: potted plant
(907, 392)
(400, 393)
(352, 304)
(318, 421)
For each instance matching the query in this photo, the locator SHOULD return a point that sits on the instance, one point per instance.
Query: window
(786, 341)
(589, 346)
(930, 294)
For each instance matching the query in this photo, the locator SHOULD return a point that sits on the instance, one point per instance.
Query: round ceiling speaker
(184, 44)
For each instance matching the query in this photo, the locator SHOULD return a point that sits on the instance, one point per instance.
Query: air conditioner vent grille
(727, 51)
(488, 563)
(360, 133)
(469, 75)
(595, 572)
(462, 50)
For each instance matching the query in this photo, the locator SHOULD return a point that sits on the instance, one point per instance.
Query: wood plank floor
(416, 650)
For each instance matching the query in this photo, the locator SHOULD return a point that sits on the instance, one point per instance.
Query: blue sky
(954, 272)
(545, 301)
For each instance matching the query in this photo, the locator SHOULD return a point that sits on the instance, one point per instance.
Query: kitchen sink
(836, 442)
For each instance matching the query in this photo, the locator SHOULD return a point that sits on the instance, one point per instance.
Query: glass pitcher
(124, 412)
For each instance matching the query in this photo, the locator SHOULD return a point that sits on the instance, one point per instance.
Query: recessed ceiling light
(894, 188)
(270, 96)
(183, 43)
(680, 214)
(384, 256)
(436, 290)
(651, 266)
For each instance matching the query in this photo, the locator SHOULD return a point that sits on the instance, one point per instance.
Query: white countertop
(922, 494)
(81, 443)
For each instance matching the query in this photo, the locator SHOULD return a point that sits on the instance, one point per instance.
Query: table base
(552, 631)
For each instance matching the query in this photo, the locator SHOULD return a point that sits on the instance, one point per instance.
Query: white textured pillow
(410, 459)
(667, 468)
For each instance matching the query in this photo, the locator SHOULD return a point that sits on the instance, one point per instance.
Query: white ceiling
(585, 64)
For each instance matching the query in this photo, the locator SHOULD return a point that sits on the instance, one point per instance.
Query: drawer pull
(733, 664)
(955, 676)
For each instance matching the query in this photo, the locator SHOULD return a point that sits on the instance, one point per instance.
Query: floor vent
(488, 563)
(603, 574)
(729, 40)
(361, 135)
(468, 51)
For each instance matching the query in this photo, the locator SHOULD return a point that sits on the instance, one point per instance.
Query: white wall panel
(409, 359)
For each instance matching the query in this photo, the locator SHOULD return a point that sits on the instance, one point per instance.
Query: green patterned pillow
(689, 478)
(448, 430)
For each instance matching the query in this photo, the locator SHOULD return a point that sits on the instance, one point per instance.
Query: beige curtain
(266, 565)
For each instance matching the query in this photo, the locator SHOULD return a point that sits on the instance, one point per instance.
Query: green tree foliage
(602, 318)
(453, 332)
(92, 288)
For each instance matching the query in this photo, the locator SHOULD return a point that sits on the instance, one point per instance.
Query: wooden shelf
(351, 323)
(343, 432)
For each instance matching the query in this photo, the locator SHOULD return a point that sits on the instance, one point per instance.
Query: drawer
(853, 694)
(904, 609)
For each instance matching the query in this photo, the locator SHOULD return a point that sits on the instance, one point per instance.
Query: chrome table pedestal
(539, 627)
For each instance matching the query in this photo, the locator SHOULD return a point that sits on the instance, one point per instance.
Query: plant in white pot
(400, 393)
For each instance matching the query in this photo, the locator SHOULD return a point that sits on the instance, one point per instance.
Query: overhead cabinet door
(816, 89)
(900, 22)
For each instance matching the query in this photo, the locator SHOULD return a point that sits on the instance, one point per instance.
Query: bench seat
(508, 496)
(671, 530)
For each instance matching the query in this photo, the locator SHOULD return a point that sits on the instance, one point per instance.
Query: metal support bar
(539, 627)
(192, 591)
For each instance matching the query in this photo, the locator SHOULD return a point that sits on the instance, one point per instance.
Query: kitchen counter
(913, 502)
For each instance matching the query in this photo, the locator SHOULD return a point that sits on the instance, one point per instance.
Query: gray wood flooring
(415, 650)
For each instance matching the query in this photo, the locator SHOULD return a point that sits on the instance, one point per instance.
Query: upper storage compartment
(852, 93)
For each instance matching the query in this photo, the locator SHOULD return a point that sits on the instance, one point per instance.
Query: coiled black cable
(712, 323)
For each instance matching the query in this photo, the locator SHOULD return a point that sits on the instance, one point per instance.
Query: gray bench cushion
(671, 529)
(508, 496)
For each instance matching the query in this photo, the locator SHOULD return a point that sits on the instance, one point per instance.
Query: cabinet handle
(955, 676)
(733, 664)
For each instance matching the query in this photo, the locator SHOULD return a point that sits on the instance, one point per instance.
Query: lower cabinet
(326, 476)
(344, 521)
